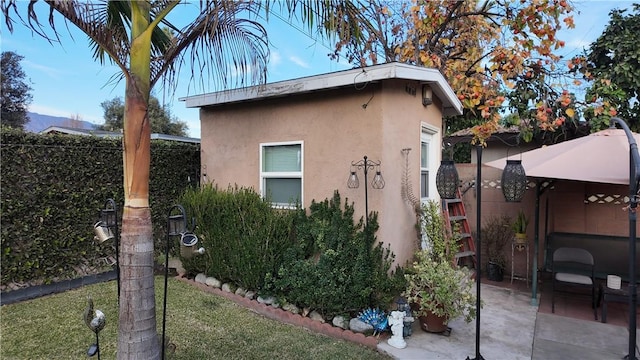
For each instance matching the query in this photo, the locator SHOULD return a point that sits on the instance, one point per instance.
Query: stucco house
(297, 140)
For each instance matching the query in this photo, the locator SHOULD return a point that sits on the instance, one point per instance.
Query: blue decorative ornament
(376, 318)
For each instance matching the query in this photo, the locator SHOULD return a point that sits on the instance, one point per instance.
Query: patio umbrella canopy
(601, 157)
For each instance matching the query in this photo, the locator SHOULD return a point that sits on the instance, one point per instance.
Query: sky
(67, 82)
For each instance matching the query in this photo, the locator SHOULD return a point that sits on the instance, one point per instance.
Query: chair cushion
(574, 278)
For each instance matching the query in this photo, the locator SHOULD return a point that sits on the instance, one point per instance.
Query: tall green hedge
(52, 189)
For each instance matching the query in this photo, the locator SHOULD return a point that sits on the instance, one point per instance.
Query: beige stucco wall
(336, 128)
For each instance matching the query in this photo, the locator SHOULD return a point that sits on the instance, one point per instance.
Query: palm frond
(346, 19)
(222, 48)
(224, 45)
(117, 17)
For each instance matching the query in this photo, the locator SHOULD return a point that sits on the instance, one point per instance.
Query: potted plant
(520, 228)
(437, 289)
(496, 234)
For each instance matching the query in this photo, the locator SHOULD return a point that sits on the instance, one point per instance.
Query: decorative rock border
(288, 317)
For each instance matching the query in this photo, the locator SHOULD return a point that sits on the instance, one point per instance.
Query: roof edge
(394, 70)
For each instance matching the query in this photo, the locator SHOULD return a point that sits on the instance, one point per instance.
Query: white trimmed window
(281, 173)
(428, 161)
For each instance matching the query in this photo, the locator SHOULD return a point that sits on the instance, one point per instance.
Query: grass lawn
(201, 325)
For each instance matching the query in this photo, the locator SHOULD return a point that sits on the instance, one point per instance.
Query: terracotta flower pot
(433, 323)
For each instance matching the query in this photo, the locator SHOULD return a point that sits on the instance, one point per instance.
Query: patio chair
(572, 268)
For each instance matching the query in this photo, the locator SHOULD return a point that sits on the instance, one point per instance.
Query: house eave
(451, 105)
(115, 135)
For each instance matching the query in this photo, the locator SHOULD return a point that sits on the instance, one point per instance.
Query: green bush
(244, 237)
(53, 187)
(321, 261)
(334, 266)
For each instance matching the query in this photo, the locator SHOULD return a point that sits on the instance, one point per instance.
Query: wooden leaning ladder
(455, 218)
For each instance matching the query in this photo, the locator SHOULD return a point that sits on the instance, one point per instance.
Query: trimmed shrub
(322, 261)
(244, 237)
(335, 266)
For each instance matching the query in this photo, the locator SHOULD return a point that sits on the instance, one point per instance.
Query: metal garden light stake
(634, 181)
(177, 226)
(376, 183)
(107, 229)
(96, 321)
(447, 185)
(444, 191)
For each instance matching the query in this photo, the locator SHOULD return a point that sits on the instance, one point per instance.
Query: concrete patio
(511, 328)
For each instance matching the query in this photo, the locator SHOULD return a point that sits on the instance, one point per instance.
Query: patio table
(607, 294)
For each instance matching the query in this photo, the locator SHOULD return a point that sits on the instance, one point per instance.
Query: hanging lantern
(514, 181)
(177, 224)
(378, 181)
(353, 181)
(447, 180)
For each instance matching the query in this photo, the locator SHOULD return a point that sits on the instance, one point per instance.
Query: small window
(281, 173)
(429, 158)
(424, 169)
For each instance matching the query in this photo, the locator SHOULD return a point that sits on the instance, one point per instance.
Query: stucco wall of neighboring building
(574, 207)
(336, 127)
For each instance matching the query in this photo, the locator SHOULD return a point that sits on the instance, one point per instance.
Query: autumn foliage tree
(485, 49)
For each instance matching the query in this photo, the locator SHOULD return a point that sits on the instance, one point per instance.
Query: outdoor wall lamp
(514, 181)
(427, 95)
(188, 242)
(377, 183)
(107, 229)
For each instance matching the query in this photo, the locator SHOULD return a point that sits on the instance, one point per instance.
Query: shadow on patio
(511, 328)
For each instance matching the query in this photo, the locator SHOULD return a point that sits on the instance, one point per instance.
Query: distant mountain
(38, 122)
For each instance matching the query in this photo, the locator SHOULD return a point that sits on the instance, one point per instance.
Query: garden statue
(396, 321)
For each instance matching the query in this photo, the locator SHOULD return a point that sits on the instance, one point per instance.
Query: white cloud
(275, 58)
(49, 71)
(296, 60)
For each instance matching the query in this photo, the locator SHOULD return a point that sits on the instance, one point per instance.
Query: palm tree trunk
(137, 333)
(138, 337)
